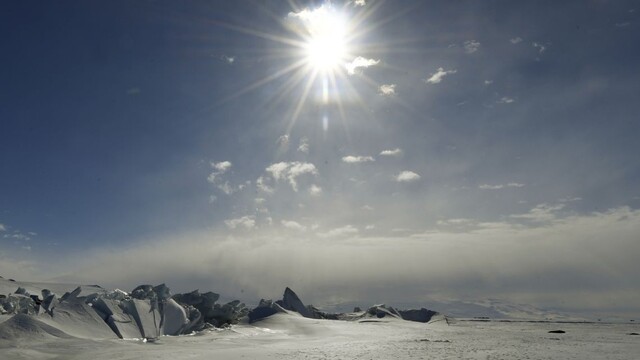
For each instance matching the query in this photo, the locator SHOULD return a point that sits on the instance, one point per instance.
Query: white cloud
(278, 170)
(570, 199)
(283, 142)
(541, 48)
(541, 213)
(367, 207)
(315, 190)
(17, 236)
(387, 89)
(360, 62)
(307, 15)
(516, 40)
(393, 152)
(247, 222)
(357, 159)
(471, 46)
(407, 176)
(488, 82)
(500, 186)
(359, 2)
(261, 184)
(222, 166)
(456, 222)
(304, 145)
(228, 59)
(3, 227)
(226, 188)
(290, 171)
(505, 100)
(370, 227)
(293, 225)
(219, 168)
(437, 77)
(346, 230)
(212, 177)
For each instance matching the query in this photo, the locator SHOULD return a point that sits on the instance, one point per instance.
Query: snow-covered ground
(286, 336)
(77, 329)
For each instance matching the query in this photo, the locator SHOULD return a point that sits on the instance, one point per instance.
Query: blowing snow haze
(391, 151)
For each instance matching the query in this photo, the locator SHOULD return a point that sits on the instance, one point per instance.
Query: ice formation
(291, 303)
(148, 312)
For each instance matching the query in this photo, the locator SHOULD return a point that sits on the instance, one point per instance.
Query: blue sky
(464, 149)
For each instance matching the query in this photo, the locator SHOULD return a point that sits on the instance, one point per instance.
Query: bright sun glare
(321, 47)
(326, 39)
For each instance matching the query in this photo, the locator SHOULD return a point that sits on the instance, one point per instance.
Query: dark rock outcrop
(420, 315)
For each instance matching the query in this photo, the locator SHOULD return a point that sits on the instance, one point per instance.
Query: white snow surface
(288, 335)
(285, 336)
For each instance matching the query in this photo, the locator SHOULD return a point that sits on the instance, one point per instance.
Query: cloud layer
(566, 262)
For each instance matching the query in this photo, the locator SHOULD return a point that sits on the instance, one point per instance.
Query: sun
(326, 45)
(319, 51)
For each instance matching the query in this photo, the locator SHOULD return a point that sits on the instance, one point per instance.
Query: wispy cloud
(3, 227)
(315, 190)
(357, 159)
(226, 188)
(261, 183)
(293, 225)
(456, 222)
(290, 171)
(228, 59)
(505, 100)
(541, 48)
(360, 62)
(304, 145)
(359, 2)
(541, 213)
(471, 46)
(222, 166)
(247, 222)
(570, 199)
(229, 189)
(309, 16)
(387, 89)
(214, 178)
(437, 77)
(283, 142)
(219, 168)
(392, 152)
(407, 176)
(516, 40)
(500, 186)
(347, 230)
(17, 235)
